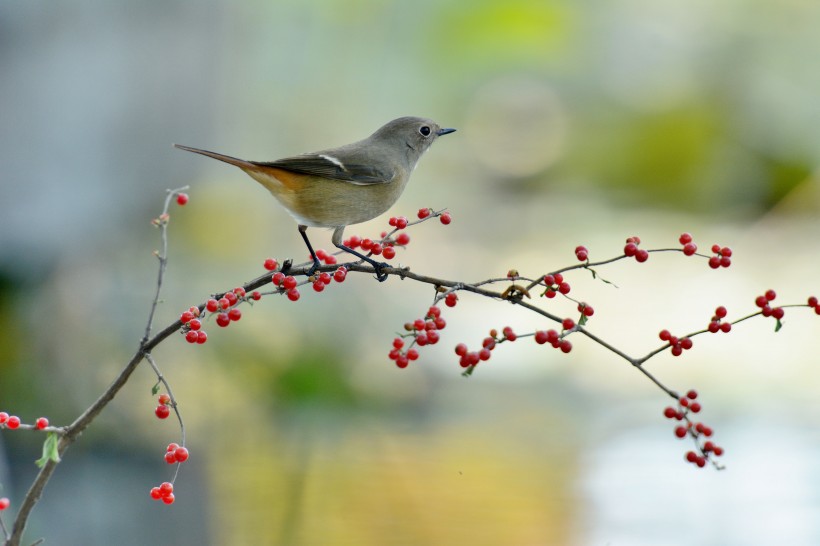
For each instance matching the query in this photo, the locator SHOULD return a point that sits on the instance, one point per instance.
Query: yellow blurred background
(578, 123)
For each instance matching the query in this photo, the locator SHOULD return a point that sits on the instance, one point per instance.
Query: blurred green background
(579, 123)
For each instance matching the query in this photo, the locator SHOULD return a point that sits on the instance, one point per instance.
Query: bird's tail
(241, 163)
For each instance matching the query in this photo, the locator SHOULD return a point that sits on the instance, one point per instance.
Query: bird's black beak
(445, 131)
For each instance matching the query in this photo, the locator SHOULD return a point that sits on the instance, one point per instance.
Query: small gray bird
(337, 187)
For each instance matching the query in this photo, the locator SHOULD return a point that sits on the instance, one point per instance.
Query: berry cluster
(696, 430)
(678, 345)
(689, 248)
(424, 331)
(631, 250)
(13, 422)
(469, 359)
(554, 338)
(586, 311)
(582, 253)
(814, 303)
(766, 309)
(9, 421)
(555, 283)
(716, 325)
(163, 410)
(165, 492)
(176, 453)
(722, 257)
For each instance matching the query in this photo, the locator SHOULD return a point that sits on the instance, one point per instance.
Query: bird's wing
(329, 166)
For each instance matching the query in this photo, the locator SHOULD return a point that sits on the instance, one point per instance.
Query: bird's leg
(378, 266)
(312, 270)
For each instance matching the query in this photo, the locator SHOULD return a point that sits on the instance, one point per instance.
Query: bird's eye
(424, 130)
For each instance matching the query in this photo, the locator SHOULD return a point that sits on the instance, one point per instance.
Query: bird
(337, 187)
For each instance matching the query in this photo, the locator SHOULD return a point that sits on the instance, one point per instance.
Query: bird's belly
(321, 202)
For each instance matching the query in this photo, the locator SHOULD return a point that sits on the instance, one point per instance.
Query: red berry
(181, 454)
(3, 417)
(694, 407)
(484, 354)
(714, 327)
(718, 451)
(212, 305)
(171, 447)
(182, 198)
(224, 303)
(630, 249)
(164, 398)
(461, 349)
(726, 251)
(725, 261)
(726, 327)
(376, 249)
(289, 282)
(424, 213)
(686, 344)
(201, 337)
(568, 324)
(13, 422)
(677, 350)
(168, 499)
(813, 301)
(398, 343)
(402, 361)
(692, 394)
(665, 335)
(389, 253)
(540, 337)
(166, 488)
(270, 264)
(715, 249)
(445, 218)
(680, 431)
(234, 314)
(231, 297)
(778, 313)
(401, 222)
(402, 239)
(683, 401)
(318, 286)
(770, 295)
(412, 354)
(565, 346)
(239, 292)
(277, 278)
(186, 317)
(155, 493)
(714, 262)
(451, 299)
(191, 336)
(564, 288)
(293, 294)
(720, 312)
(169, 457)
(689, 249)
(670, 412)
(41, 423)
(222, 319)
(4, 503)
(195, 324)
(162, 411)
(641, 255)
(433, 337)
(325, 277)
(761, 301)
(340, 274)
(685, 238)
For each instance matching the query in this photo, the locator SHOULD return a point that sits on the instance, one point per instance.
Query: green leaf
(50, 451)
(582, 320)
(778, 326)
(155, 389)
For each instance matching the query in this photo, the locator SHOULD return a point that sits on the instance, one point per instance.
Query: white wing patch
(333, 160)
